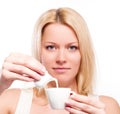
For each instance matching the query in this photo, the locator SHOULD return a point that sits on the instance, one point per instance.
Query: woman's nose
(61, 57)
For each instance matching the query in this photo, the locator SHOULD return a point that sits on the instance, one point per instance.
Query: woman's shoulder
(13, 92)
(108, 99)
(9, 99)
(10, 96)
(111, 104)
(10, 92)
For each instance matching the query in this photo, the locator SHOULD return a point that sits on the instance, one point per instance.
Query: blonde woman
(61, 45)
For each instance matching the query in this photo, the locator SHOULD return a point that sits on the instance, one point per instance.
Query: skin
(61, 57)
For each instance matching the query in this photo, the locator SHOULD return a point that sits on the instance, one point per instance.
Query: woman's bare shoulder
(111, 104)
(10, 92)
(8, 100)
(10, 95)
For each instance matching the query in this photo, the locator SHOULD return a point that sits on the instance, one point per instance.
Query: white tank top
(25, 101)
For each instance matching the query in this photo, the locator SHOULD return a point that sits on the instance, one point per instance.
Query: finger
(27, 61)
(74, 111)
(88, 100)
(19, 69)
(11, 76)
(84, 107)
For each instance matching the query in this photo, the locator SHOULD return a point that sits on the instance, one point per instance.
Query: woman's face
(60, 53)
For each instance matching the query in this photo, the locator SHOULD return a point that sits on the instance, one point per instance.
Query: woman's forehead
(59, 31)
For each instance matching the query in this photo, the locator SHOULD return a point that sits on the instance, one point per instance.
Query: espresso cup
(57, 97)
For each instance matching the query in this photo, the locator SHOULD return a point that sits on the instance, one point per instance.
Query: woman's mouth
(61, 69)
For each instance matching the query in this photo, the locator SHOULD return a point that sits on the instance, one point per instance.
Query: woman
(62, 46)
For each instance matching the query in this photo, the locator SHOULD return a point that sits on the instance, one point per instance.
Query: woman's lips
(61, 70)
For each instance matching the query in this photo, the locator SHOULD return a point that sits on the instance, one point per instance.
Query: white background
(17, 19)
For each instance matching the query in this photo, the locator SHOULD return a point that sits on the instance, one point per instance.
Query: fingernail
(72, 92)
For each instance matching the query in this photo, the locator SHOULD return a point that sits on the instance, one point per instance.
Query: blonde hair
(74, 20)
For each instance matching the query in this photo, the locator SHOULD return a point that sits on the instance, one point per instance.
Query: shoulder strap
(25, 101)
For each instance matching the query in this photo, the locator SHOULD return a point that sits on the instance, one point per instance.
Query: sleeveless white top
(25, 101)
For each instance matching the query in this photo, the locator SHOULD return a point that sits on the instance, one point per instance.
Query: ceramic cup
(57, 97)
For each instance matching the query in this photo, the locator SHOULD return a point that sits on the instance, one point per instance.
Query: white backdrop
(17, 19)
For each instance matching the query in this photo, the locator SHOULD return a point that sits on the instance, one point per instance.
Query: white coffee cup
(57, 97)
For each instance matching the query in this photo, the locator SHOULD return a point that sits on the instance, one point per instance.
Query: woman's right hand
(22, 67)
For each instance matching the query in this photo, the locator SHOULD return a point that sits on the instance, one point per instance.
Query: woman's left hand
(79, 104)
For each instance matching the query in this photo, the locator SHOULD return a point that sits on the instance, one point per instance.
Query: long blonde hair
(74, 20)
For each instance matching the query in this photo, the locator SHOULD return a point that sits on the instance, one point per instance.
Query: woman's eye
(50, 47)
(73, 48)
